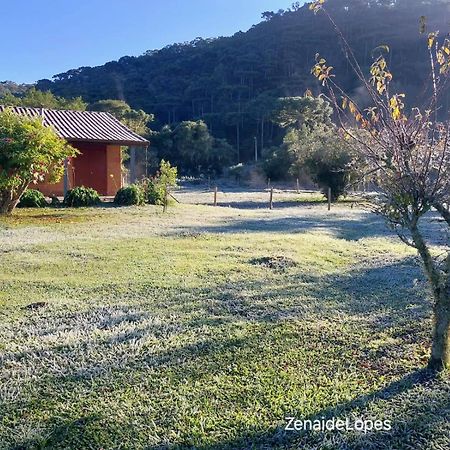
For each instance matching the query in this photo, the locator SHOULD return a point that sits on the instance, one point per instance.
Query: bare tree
(408, 155)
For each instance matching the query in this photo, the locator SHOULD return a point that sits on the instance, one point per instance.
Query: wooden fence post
(166, 198)
(133, 172)
(298, 186)
(271, 199)
(66, 176)
(329, 199)
(215, 196)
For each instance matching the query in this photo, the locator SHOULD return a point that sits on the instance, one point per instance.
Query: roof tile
(84, 126)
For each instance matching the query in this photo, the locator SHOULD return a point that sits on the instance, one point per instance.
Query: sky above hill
(40, 38)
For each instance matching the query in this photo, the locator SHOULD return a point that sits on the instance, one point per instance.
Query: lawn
(204, 328)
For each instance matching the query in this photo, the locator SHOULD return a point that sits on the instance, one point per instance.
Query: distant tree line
(229, 82)
(206, 104)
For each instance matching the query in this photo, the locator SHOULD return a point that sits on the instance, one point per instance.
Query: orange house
(98, 137)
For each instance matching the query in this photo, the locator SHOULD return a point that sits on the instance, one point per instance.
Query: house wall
(57, 189)
(97, 166)
(90, 166)
(113, 169)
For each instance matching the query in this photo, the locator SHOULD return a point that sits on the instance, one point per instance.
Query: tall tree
(192, 148)
(409, 157)
(29, 153)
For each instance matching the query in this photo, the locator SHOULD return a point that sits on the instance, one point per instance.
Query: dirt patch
(278, 263)
(189, 234)
(35, 306)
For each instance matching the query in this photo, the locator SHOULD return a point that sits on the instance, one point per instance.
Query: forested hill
(12, 88)
(230, 81)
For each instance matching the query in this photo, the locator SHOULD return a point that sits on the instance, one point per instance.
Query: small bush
(81, 196)
(130, 195)
(32, 199)
(155, 187)
(55, 201)
(154, 192)
(276, 163)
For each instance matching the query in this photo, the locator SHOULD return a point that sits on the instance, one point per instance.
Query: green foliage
(155, 188)
(326, 156)
(39, 99)
(230, 82)
(193, 143)
(135, 120)
(167, 174)
(191, 147)
(237, 171)
(32, 198)
(296, 116)
(277, 163)
(29, 153)
(130, 195)
(10, 88)
(154, 192)
(299, 111)
(81, 196)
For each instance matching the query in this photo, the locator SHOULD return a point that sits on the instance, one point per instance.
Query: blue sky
(39, 38)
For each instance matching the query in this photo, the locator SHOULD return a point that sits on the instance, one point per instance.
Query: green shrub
(153, 191)
(130, 195)
(276, 163)
(155, 187)
(81, 196)
(32, 198)
(56, 203)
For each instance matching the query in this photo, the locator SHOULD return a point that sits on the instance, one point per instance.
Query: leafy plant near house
(154, 193)
(32, 198)
(81, 196)
(408, 153)
(29, 153)
(130, 195)
(155, 188)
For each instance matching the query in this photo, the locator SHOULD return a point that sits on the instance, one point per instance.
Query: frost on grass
(79, 345)
(165, 339)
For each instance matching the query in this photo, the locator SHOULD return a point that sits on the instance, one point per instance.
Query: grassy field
(204, 328)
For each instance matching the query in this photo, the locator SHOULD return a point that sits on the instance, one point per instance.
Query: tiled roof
(84, 126)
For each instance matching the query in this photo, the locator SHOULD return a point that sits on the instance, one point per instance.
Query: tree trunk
(9, 200)
(262, 135)
(440, 352)
(5, 201)
(238, 141)
(443, 211)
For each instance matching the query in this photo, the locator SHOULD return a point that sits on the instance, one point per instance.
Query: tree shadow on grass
(343, 228)
(382, 297)
(351, 227)
(386, 293)
(415, 427)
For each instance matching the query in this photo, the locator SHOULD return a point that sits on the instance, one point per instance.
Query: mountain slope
(218, 80)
